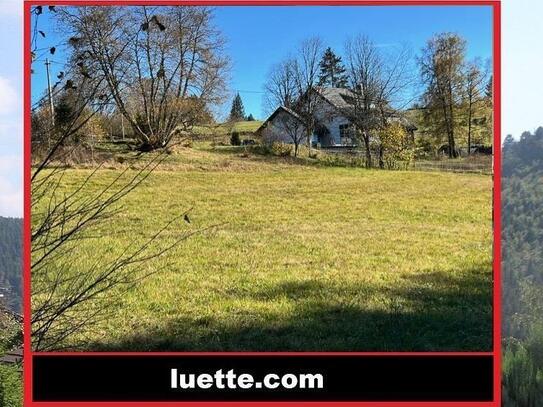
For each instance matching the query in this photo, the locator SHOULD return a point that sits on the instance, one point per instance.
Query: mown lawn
(301, 258)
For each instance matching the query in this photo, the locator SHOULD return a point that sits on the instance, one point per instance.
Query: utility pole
(50, 94)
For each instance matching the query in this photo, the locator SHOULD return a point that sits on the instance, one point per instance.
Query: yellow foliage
(396, 145)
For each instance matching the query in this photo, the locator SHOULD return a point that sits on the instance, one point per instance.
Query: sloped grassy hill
(301, 257)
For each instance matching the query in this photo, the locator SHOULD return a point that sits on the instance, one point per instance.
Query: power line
(51, 106)
(249, 91)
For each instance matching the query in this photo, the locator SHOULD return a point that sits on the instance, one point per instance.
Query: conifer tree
(332, 72)
(237, 112)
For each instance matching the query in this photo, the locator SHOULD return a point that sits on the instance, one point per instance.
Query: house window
(345, 133)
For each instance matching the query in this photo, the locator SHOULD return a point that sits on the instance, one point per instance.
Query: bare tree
(293, 83)
(69, 296)
(306, 69)
(441, 66)
(378, 81)
(286, 125)
(295, 129)
(161, 65)
(280, 87)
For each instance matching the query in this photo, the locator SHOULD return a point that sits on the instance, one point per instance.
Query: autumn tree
(488, 88)
(474, 88)
(441, 67)
(332, 72)
(394, 145)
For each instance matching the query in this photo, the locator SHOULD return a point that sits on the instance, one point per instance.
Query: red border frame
(496, 352)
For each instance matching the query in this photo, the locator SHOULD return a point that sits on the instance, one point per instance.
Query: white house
(332, 128)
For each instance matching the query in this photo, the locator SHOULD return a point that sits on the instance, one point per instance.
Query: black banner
(345, 377)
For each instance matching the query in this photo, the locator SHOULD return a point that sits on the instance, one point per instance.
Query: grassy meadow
(296, 256)
(221, 132)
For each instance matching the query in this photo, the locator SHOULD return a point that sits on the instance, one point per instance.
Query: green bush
(11, 387)
(235, 140)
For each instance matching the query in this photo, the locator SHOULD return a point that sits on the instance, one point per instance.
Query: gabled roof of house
(337, 97)
(342, 99)
(276, 112)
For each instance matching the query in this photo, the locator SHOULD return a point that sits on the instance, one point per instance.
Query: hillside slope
(10, 262)
(522, 270)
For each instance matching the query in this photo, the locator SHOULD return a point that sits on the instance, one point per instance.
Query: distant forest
(10, 263)
(522, 261)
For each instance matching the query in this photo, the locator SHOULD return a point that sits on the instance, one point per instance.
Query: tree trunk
(368, 151)
(469, 127)
(381, 162)
(309, 132)
(452, 144)
(450, 132)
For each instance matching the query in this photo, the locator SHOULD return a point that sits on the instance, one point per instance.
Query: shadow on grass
(431, 311)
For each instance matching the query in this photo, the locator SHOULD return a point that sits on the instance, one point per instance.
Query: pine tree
(250, 118)
(64, 110)
(332, 71)
(237, 112)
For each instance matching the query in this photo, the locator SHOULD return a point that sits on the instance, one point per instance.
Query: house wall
(328, 116)
(281, 129)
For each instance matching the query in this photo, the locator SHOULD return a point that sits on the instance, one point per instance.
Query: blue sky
(258, 37)
(522, 85)
(268, 34)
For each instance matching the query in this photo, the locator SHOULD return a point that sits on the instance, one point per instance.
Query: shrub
(281, 149)
(395, 146)
(11, 388)
(235, 140)
(341, 160)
